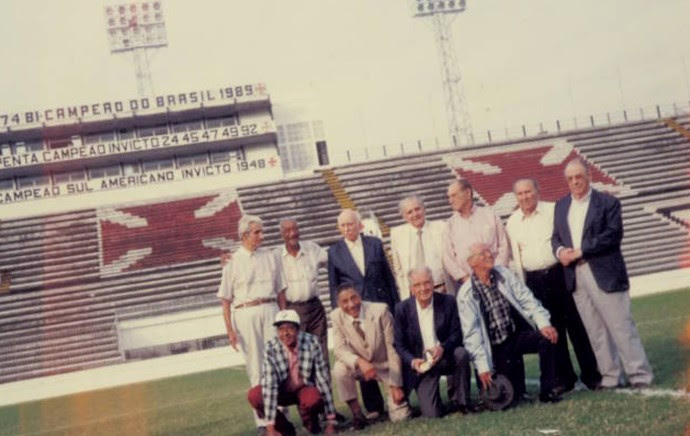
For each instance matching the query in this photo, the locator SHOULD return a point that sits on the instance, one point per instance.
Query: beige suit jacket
(377, 323)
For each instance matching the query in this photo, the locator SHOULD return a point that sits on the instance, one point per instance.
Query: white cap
(286, 316)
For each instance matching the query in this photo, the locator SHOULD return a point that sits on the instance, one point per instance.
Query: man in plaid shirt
(293, 371)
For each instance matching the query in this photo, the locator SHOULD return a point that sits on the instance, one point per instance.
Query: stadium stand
(67, 278)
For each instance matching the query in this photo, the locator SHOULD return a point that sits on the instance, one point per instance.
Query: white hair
(347, 211)
(413, 197)
(245, 222)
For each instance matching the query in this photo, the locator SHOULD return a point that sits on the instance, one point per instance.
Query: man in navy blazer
(428, 339)
(360, 261)
(587, 235)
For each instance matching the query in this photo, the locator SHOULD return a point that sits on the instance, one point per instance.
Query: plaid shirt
(275, 369)
(496, 309)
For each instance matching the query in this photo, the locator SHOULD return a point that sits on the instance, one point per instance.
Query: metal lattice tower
(137, 27)
(442, 14)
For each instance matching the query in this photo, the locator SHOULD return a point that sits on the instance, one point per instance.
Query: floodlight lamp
(145, 6)
(156, 5)
(121, 9)
(109, 10)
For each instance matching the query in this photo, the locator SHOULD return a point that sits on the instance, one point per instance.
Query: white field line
(647, 392)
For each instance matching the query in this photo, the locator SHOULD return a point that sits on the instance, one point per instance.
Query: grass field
(214, 403)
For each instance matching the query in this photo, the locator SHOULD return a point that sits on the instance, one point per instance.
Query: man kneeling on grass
(293, 371)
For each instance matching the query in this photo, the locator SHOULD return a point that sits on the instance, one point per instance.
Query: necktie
(356, 324)
(419, 251)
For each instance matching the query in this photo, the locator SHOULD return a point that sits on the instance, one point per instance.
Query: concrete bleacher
(71, 275)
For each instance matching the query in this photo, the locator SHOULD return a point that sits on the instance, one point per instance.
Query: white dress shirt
(530, 238)
(251, 275)
(357, 251)
(576, 217)
(426, 325)
(302, 271)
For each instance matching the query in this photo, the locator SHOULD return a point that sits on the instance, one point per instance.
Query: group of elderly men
(449, 301)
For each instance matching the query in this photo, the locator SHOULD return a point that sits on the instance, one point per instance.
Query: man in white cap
(293, 372)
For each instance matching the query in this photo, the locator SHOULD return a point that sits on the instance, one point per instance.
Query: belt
(541, 272)
(301, 303)
(256, 302)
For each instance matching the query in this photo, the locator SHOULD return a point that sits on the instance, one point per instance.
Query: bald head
(578, 178)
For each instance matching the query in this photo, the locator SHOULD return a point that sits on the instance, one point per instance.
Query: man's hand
(271, 430)
(225, 258)
(485, 378)
(565, 256)
(232, 336)
(367, 369)
(416, 363)
(397, 394)
(550, 333)
(436, 353)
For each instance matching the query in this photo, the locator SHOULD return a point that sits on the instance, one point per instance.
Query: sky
(370, 68)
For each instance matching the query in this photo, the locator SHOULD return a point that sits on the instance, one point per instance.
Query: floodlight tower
(442, 13)
(137, 27)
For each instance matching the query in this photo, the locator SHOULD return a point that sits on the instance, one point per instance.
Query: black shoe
(563, 389)
(550, 397)
(359, 422)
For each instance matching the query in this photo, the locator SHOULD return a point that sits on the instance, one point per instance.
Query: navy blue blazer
(377, 284)
(408, 337)
(601, 241)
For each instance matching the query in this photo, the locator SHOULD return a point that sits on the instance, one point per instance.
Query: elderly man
(300, 261)
(293, 372)
(416, 243)
(360, 261)
(470, 224)
(429, 341)
(502, 320)
(251, 288)
(587, 235)
(363, 346)
(529, 229)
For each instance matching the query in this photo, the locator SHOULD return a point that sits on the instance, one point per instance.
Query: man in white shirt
(588, 229)
(470, 224)
(251, 289)
(529, 229)
(300, 262)
(418, 242)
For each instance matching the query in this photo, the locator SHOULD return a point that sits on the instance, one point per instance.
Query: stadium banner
(157, 142)
(161, 103)
(260, 164)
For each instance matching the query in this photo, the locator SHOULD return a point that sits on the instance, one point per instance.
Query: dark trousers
(312, 317)
(308, 401)
(456, 364)
(549, 287)
(505, 354)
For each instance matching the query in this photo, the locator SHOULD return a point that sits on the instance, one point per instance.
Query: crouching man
(363, 347)
(293, 371)
(502, 320)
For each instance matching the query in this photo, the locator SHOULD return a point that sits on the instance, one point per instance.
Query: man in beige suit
(363, 346)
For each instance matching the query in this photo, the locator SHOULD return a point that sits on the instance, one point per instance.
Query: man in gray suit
(363, 347)
(587, 235)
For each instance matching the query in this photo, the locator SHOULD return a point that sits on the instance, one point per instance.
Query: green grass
(214, 403)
